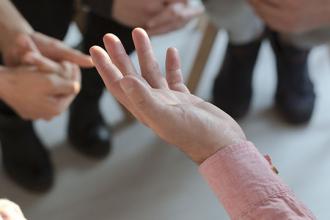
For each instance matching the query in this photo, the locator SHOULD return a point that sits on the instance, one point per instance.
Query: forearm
(247, 186)
(11, 22)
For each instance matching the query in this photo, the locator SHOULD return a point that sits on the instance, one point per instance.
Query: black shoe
(232, 89)
(87, 130)
(295, 96)
(25, 159)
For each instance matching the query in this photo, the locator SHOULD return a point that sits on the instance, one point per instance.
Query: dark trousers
(97, 27)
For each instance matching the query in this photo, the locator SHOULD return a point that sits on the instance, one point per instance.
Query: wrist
(202, 154)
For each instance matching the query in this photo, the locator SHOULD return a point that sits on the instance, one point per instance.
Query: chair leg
(209, 36)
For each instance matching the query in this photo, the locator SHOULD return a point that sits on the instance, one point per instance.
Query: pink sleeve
(248, 188)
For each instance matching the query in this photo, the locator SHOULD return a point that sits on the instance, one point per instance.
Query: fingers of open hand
(149, 66)
(118, 54)
(173, 71)
(131, 94)
(109, 73)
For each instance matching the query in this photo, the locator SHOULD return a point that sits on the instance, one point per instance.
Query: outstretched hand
(164, 104)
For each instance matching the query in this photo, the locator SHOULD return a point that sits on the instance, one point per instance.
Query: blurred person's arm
(242, 179)
(18, 37)
(42, 91)
(11, 23)
(293, 16)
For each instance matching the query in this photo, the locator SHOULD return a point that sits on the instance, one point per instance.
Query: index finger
(42, 63)
(56, 50)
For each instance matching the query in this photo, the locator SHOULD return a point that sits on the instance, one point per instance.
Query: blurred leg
(87, 130)
(295, 95)
(232, 90)
(25, 158)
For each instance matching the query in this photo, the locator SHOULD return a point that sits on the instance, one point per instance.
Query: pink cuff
(242, 179)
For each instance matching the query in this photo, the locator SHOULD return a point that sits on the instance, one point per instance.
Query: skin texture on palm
(293, 16)
(164, 104)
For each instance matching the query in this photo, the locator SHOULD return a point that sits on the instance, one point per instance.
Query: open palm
(164, 103)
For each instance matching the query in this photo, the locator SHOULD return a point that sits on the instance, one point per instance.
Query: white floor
(145, 179)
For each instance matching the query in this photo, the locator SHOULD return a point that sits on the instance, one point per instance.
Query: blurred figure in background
(40, 80)
(293, 27)
(37, 30)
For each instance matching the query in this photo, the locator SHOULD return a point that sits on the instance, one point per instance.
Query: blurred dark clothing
(100, 7)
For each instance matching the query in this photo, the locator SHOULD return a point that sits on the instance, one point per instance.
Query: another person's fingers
(176, 1)
(58, 51)
(76, 73)
(165, 17)
(175, 16)
(64, 87)
(118, 54)
(149, 66)
(24, 44)
(164, 29)
(173, 71)
(67, 70)
(42, 63)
